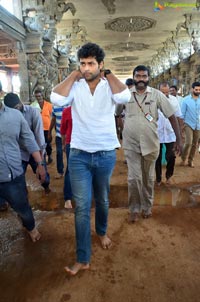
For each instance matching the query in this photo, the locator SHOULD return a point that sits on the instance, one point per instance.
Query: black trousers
(48, 146)
(170, 158)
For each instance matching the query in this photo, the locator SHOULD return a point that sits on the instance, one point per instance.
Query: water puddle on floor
(178, 197)
(174, 196)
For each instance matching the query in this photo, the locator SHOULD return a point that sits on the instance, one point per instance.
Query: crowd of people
(83, 109)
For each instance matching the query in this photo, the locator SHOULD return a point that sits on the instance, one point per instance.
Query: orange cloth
(46, 115)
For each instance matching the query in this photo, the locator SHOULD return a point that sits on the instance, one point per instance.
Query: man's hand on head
(78, 74)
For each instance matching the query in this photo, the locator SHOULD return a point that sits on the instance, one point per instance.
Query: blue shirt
(190, 109)
(34, 120)
(14, 133)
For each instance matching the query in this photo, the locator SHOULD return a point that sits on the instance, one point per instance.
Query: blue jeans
(33, 165)
(59, 155)
(90, 173)
(14, 192)
(67, 183)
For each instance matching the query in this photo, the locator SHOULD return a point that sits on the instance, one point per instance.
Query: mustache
(138, 82)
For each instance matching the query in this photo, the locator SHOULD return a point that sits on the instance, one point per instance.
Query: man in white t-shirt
(92, 93)
(173, 90)
(167, 136)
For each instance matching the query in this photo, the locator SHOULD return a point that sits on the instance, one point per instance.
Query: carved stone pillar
(192, 22)
(184, 77)
(52, 75)
(194, 68)
(33, 42)
(40, 19)
(175, 75)
(23, 75)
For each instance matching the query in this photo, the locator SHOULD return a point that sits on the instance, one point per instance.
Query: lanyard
(138, 102)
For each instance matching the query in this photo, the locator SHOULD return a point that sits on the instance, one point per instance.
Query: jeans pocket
(74, 152)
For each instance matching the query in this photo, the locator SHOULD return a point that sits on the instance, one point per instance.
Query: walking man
(190, 109)
(92, 93)
(15, 132)
(46, 111)
(55, 124)
(34, 120)
(141, 143)
(167, 137)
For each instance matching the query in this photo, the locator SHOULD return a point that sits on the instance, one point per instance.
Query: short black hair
(195, 84)
(141, 68)
(38, 91)
(174, 86)
(91, 50)
(163, 84)
(11, 100)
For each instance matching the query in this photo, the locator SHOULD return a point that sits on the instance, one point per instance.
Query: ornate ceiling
(132, 32)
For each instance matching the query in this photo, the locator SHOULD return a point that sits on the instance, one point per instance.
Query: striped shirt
(57, 113)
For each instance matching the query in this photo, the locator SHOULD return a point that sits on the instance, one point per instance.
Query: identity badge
(149, 117)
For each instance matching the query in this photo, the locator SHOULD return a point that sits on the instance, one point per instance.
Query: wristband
(106, 72)
(41, 163)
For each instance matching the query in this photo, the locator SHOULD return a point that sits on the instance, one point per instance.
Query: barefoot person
(66, 131)
(14, 133)
(34, 120)
(92, 94)
(141, 143)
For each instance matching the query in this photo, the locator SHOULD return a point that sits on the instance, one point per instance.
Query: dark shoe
(133, 217)
(4, 207)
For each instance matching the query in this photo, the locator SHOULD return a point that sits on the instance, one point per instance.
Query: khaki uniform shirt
(139, 134)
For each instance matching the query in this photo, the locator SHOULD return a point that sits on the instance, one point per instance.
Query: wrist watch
(41, 163)
(106, 72)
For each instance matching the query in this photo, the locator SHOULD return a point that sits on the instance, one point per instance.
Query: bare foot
(168, 181)
(47, 190)
(73, 270)
(34, 234)
(68, 204)
(105, 242)
(58, 176)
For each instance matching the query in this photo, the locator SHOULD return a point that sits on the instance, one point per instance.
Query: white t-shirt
(93, 119)
(165, 131)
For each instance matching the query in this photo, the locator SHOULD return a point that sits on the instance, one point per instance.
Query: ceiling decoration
(124, 70)
(110, 5)
(125, 58)
(160, 38)
(130, 46)
(130, 24)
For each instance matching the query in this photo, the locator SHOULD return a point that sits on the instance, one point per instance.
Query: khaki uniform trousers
(141, 175)
(191, 141)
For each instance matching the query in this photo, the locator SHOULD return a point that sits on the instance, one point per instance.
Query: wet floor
(19, 257)
(164, 196)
